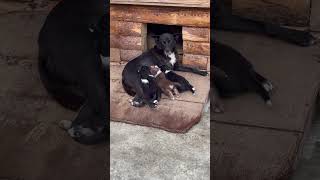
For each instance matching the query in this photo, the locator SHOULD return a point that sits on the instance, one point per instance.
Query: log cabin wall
(128, 29)
(295, 13)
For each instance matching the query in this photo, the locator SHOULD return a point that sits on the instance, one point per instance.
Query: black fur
(70, 65)
(158, 55)
(234, 74)
(182, 84)
(152, 93)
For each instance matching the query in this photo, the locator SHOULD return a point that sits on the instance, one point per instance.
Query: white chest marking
(144, 81)
(173, 59)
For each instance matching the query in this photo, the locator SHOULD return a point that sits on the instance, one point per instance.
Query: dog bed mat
(174, 116)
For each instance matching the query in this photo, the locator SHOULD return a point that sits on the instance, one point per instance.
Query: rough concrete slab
(295, 72)
(252, 141)
(242, 153)
(144, 153)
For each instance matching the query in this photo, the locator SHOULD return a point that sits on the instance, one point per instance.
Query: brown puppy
(166, 86)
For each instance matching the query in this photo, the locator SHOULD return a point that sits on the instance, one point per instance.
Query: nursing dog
(163, 55)
(71, 43)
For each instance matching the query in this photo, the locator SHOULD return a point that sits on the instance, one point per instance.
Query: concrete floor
(309, 166)
(138, 152)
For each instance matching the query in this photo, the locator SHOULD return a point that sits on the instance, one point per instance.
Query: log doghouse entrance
(133, 25)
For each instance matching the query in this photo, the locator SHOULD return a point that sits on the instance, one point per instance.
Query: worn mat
(174, 116)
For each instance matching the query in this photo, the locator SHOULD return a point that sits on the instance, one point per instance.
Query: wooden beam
(127, 42)
(127, 28)
(161, 15)
(178, 3)
(196, 34)
(199, 61)
(197, 48)
(127, 55)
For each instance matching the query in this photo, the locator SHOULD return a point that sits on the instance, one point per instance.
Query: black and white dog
(163, 55)
(73, 65)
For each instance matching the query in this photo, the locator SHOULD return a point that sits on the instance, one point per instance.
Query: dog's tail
(127, 89)
(60, 91)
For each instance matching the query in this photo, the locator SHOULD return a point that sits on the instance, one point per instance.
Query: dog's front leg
(216, 104)
(183, 68)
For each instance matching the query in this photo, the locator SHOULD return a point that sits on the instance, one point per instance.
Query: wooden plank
(161, 15)
(242, 153)
(196, 34)
(196, 48)
(199, 61)
(114, 55)
(284, 12)
(179, 3)
(127, 55)
(127, 42)
(127, 28)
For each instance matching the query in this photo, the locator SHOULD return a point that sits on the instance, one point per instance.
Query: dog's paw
(218, 107)
(136, 103)
(80, 131)
(193, 90)
(153, 105)
(203, 73)
(269, 103)
(65, 124)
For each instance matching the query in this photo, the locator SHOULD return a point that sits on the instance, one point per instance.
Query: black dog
(234, 74)
(225, 20)
(163, 54)
(70, 44)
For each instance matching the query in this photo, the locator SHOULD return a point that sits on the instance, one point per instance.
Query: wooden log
(127, 28)
(284, 12)
(127, 42)
(196, 34)
(198, 17)
(197, 48)
(114, 55)
(198, 61)
(178, 3)
(127, 55)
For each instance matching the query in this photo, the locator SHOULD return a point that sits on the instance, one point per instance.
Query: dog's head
(144, 72)
(155, 71)
(166, 42)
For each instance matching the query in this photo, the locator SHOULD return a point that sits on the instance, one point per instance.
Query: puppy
(151, 91)
(166, 86)
(181, 83)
